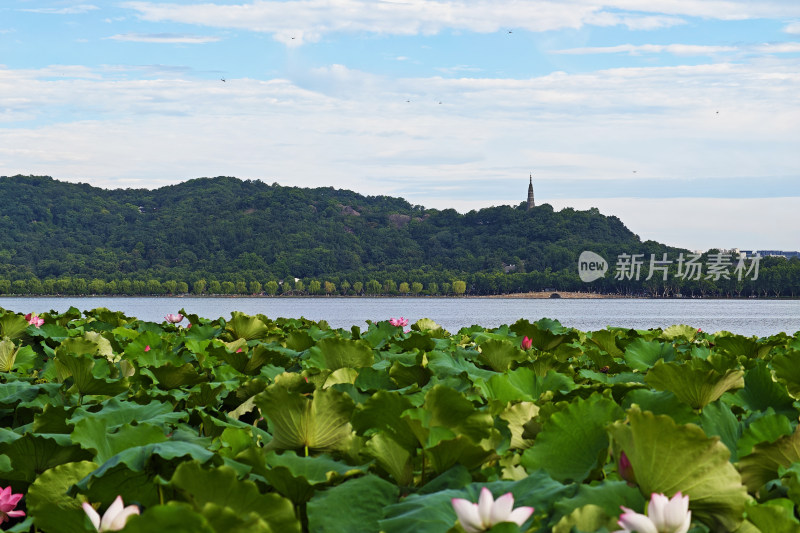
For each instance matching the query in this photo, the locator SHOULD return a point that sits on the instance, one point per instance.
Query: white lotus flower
(664, 515)
(481, 516)
(114, 518)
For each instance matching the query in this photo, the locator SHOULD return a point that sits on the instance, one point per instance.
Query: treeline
(777, 277)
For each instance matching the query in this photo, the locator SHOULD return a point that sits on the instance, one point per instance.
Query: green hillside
(65, 236)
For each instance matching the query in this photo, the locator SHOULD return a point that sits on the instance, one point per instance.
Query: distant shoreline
(535, 295)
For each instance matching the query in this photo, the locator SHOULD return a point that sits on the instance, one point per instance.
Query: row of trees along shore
(777, 277)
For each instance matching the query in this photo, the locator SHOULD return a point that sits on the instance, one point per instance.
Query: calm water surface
(746, 317)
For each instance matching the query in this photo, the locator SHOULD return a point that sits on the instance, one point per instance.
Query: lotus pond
(257, 424)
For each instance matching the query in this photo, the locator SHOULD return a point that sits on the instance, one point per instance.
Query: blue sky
(681, 117)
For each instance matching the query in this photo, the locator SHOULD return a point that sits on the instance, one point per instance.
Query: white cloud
(703, 223)
(683, 49)
(778, 48)
(336, 125)
(297, 21)
(72, 10)
(167, 38)
(793, 28)
(676, 49)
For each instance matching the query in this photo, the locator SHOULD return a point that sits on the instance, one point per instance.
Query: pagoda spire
(531, 203)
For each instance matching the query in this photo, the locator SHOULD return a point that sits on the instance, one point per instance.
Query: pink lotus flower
(527, 343)
(399, 322)
(34, 320)
(664, 515)
(114, 518)
(625, 468)
(147, 348)
(8, 501)
(481, 516)
(173, 319)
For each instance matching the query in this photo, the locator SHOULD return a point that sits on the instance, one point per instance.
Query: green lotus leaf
(790, 478)
(32, 454)
(116, 413)
(679, 331)
(609, 496)
(573, 442)
(93, 434)
(12, 325)
(221, 487)
(48, 502)
(766, 429)
(8, 354)
(444, 364)
(14, 392)
(428, 326)
(417, 341)
(392, 457)
(761, 391)
(523, 384)
(170, 377)
(455, 450)
(174, 517)
(150, 350)
(90, 343)
(737, 345)
(429, 513)
(241, 326)
(775, 516)
(294, 476)
(718, 420)
(500, 354)
(119, 480)
(408, 373)
(81, 369)
(763, 464)
(642, 355)
(590, 517)
(241, 357)
(334, 353)
(661, 403)
(606, 340)
(787, 370)
(373, 495)
(319, 423)
(382, 413)
(445, 414)
(668, 458)
(517, 416)
(52, 419)
(612, 379)
(141, 459)
(545, 334)
(341, 376)
(54, 332)
(695, 382)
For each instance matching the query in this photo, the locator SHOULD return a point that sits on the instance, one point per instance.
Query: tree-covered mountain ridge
(246, 231)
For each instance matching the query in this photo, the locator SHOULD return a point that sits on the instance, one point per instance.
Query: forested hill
(242, 231)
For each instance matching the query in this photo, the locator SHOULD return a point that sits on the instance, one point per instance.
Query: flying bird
(222, 80)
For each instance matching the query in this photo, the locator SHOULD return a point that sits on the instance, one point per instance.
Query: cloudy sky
(681, 117)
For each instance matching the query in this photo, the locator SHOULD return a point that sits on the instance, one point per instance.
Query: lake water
(746, 317)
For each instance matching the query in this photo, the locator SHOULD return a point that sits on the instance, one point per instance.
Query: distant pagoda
(531, 203)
